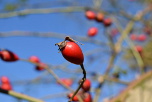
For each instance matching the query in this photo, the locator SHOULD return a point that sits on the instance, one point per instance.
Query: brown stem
(20, 96)
(81, 83)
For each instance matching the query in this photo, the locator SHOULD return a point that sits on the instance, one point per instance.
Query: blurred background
(117, 47)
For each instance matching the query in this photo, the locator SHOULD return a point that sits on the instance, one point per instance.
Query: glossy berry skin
(86, 85)
(5, 80)
(107, 22)
(139, 48)
(34, 59)
(75, 98)
(99, 17)
(92, 31)
(73, 53)
(133, 37)
(90, 15)
(87, 97)
(8, 56)
(40, 67)
(142, 37)
(6, 86)
(68, 82)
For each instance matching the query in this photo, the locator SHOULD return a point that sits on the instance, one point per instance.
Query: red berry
(5, 80)
(75, 98)
(6, 86)
(8, 56)
(90, 15)
(41, 66)
(142, 37)
(139, 48)
(133, 37)
(114, 32)
(73, 53)
(99, 17)
(107, 22)
(68, 82)
(87, 97)
(86, 85)
(92, 31)
(34, 59)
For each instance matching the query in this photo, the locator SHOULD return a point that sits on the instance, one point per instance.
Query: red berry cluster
(139, 49)
(8, 56)
(41, 65)
(141, 37)
(84, 93)
(99, 17)
(5, 83)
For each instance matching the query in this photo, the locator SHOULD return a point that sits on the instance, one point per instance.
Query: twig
(81, 83)
(49, 34)
(42, 11)
(133, 84)
(20, 96)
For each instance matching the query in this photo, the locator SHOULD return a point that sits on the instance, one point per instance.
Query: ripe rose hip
(87, 97)
(142, 37)
(8, 56)
(90, 15)
(133, 37)
(68, 82)
(75, 98)
(73, 53)
(34, 59)
(86, 85)
(5, 80)
(99, 17)
(107, 22)
(139, 48)
(41, 66)
(6, 86)
(92, 31)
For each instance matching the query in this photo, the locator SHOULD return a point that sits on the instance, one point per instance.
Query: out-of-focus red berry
(114, 32)
(99, 17)
(68, 82)
(34, 59)
(8, 56)
(87, 97)
(107, 22)
(90, 15)
(75, 98)
(133, 37)
(92, 31)
(86, 85)
(41, 66)
(139, 48)
(142, 37)
(5, 80)
(6, 86)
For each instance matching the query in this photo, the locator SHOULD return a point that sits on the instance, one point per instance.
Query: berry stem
(81, 83)
(20, 96)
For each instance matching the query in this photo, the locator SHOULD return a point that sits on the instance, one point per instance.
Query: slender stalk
(20, 96)
(81, 83)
